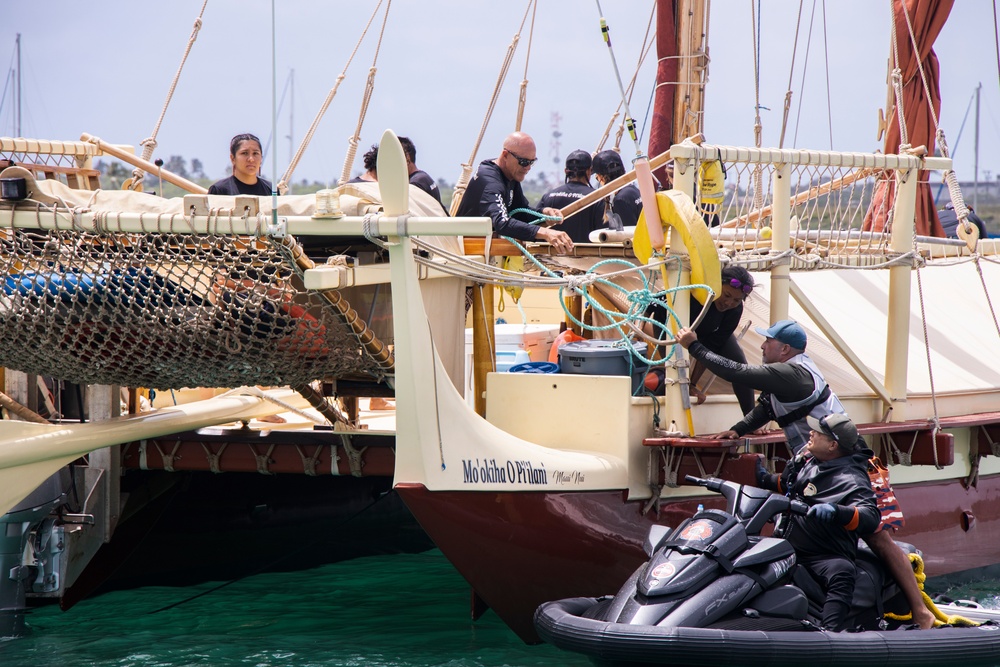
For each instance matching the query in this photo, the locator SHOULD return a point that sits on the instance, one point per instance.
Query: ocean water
(402, 610)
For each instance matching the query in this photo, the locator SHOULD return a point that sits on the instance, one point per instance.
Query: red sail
(661, 132)
(927, 18)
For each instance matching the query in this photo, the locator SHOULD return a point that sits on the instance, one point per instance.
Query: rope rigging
(149, 144)
(287, 177)
(463, 179)
(352, 148)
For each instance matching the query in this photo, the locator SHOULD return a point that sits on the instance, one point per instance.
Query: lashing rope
(149, 144)
(352, 143)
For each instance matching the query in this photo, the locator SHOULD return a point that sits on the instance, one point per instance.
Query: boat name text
(488, 471)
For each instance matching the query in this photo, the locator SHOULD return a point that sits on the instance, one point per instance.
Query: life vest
(712, 178)
(797, 432)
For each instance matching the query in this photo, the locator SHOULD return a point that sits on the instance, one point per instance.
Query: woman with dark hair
(246, 156)
(371, 167)
(716, 331)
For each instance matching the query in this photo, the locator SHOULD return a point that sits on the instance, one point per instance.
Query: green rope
(639, 301)
(539, 217)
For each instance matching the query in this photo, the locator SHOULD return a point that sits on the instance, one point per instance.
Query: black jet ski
(717, 592)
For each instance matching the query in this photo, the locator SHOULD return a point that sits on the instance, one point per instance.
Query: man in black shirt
(245, 154)
(625, 206)
(495, 192)
(418, 177)
(577, 186)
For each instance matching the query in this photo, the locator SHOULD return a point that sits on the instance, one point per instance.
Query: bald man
(495, 191)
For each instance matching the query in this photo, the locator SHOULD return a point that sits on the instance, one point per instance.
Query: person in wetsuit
(624, 207)
(577, 186)
(792, 388)
(495, 191)
(245, 155)
(717, 329)
(830, 474)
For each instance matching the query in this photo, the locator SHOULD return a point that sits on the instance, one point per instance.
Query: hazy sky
(105, 68)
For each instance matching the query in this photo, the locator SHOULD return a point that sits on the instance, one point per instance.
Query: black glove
(762, 475)
(825, 512)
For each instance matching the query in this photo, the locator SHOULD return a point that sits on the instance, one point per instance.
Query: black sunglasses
(734, 282)
(523, 161)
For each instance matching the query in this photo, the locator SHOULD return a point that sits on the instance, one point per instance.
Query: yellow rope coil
(940, 617)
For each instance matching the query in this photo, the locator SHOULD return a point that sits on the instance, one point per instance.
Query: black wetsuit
(423, 180)
(786, 386)
(580, 224)
(234, 186)
(829, 549)
(491, 194)
(716, 332)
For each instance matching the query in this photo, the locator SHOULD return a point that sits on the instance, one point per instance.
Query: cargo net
(166, 311)
(840, 215)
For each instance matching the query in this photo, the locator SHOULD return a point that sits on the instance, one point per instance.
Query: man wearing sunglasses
(792, 389)
(830, 474)
(495, 191)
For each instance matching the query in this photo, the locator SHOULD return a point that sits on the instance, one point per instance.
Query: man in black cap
(830, 475)
(578, 225)
(625, 206)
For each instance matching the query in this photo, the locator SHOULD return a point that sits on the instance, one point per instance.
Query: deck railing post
(898, 331)
(781, 213)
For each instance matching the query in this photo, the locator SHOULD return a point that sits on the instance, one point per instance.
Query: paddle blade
(393, 177)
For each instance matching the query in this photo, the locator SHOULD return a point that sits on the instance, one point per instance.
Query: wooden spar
(801, 198)
(608, 188)
(145, 165)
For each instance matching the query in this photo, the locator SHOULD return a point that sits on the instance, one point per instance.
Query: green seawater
(402, 610)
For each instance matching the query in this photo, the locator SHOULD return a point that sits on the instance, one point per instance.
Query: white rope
(352, 143)
(463, 180)
(149, 144)
(523, 96)
(287, 177)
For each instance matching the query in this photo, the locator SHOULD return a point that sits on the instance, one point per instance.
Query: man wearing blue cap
(793, 389)
(790, 383)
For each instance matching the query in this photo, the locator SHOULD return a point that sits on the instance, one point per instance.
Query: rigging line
(366, 97)
(805, 69)
(523, 96)
(826, 59)
(281, 105)
(463, 179)
(629, 119)
(272, 563)
(791, 74)
(958, 140)
(326, 103)
(149, 144)
(996, 38)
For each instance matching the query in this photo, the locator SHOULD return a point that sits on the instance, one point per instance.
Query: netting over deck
(166, 311)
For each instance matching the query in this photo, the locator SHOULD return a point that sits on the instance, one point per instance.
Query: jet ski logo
(663, 571)
(699, 530)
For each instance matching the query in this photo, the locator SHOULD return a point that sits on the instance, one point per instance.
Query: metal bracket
(277, 227)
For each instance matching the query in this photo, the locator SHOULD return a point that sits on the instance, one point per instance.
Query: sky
(105, 68)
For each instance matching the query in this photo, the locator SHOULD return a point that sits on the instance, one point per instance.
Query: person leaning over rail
(495, 192)
(717, 329)
(830, 474)
(792, 387)
(576, 187)
(626, 204)
(418, 177)
(246, 156)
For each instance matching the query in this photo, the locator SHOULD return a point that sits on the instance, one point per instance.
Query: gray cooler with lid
(603, 357)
